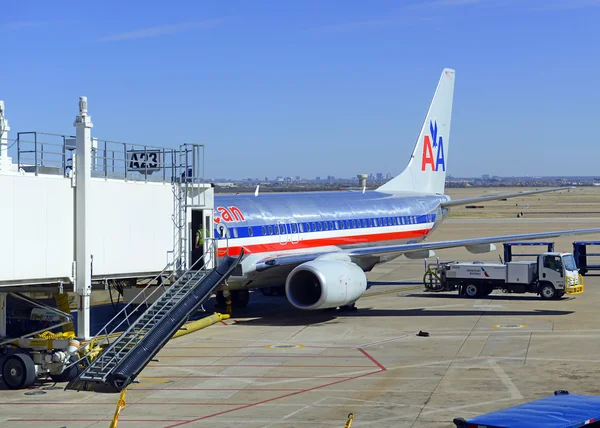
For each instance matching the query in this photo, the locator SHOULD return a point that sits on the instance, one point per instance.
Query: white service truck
(551, 276)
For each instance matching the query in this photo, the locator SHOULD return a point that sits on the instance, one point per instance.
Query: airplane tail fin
(426, 170)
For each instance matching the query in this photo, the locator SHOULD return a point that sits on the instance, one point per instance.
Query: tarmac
(273, 366)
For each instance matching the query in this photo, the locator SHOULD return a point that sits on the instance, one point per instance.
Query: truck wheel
(18, 371)
(547, 292)
(472, 290)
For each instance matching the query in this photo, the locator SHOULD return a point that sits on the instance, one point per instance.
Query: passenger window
(235, 232)
(314, 227)
(301, 227)
(337, 225)
(330, 225)
(347, 224)
(270, 230)
(320, 226)
(294, 228)
(275, 230)
(325, 225)
(264, 230)
(341, 224)
(281, 229)
(250, 232)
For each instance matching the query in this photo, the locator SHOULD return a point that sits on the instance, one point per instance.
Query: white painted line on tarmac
(515, 394)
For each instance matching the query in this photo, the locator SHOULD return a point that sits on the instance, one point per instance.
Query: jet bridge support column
(83, 162)
(2, 314)
(5, 161)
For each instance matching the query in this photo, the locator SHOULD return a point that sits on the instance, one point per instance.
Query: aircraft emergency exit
(321, 244)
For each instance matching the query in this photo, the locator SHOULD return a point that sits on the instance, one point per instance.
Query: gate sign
(143, 160)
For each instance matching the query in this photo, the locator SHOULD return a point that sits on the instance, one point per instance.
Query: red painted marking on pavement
(224, 323)
(215, 389)
(261, 356)
(299, 331)
(251, 377)
(160, 403)
(283, 366)
(373, 360)
(273, 399)
(95, 420)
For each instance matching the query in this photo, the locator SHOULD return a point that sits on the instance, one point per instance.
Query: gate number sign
(142, 161)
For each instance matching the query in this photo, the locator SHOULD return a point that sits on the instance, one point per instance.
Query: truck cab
(557, 274)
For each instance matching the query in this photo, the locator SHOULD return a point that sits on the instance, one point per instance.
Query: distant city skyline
(314, 88)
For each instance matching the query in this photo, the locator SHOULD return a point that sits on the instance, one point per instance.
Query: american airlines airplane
(321, 244)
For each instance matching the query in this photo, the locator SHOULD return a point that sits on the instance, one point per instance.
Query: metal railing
(109, 334)
(46, 153)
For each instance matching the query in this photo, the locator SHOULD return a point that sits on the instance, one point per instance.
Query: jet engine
(322, 284)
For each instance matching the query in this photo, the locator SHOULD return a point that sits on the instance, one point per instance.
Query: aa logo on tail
(428, 150)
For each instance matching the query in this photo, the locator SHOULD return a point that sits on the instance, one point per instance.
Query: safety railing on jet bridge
(46, 153)
(155, 288)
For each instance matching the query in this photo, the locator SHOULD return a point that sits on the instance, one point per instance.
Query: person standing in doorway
(199, 247)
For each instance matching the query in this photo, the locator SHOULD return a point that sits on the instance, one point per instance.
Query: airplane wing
(293, 260)
(421, 246)
(455, 202)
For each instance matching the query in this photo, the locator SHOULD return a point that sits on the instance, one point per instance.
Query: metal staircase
(148, 327)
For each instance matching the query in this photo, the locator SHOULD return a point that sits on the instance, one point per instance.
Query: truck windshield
(569, 263)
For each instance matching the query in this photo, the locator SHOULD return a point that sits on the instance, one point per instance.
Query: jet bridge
(79, 212)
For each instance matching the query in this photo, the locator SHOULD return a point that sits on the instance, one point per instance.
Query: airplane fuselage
(293, 223)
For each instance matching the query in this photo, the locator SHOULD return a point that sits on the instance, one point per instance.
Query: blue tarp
(558, 411)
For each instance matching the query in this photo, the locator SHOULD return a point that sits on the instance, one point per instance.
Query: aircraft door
(210, 244)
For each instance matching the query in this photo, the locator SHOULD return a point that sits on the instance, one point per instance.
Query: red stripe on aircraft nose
(324, 242)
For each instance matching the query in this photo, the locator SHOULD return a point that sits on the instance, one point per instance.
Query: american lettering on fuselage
(321, 244)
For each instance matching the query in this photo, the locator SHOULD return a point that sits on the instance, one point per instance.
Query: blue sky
(314, 87)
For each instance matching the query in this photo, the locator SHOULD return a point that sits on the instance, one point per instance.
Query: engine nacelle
(322, 284)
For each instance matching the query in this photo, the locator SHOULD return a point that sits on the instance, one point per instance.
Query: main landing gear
(239, 298)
